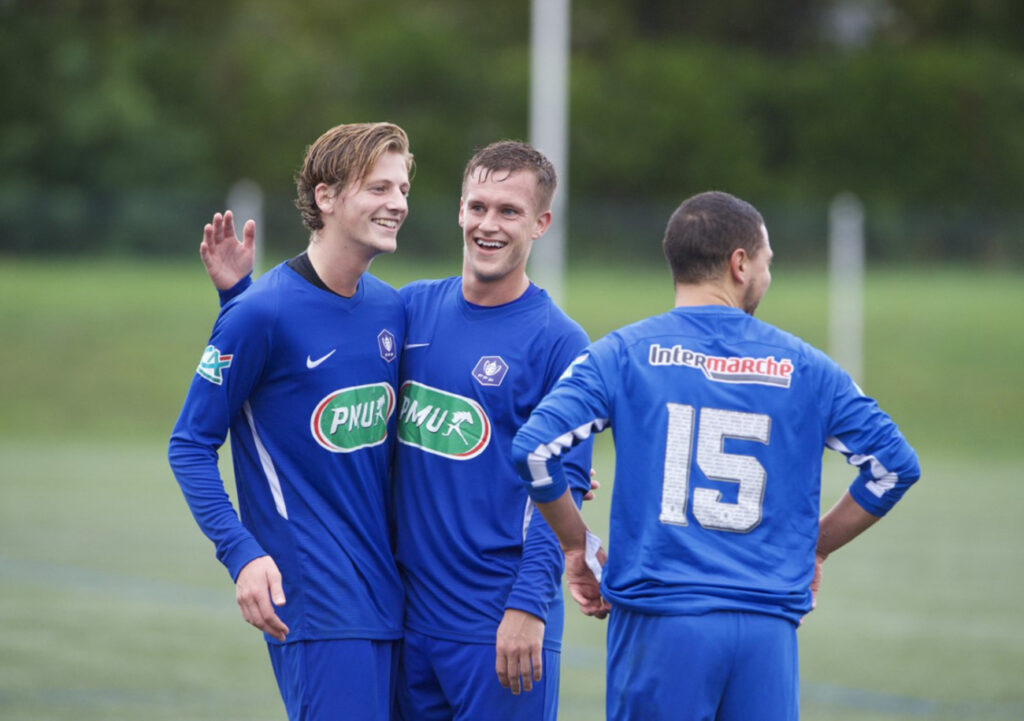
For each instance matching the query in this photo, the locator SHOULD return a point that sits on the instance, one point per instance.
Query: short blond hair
(343, 155)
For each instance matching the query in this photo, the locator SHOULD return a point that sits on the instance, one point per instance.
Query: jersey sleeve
(234, 291)
(578, 406)
(872, 442)
(228, 372)
(540, 570)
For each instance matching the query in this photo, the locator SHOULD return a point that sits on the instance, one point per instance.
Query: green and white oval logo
(352, 418)
(442, 423)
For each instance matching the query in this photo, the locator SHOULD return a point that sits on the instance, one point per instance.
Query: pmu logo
(352, 418)
(442, 423)
(212, 365)
(726, 369)
(386, 343)
(490, 370)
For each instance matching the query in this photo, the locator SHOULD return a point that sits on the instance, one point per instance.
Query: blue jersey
(720, 421)
(306, 380)
(468, 544)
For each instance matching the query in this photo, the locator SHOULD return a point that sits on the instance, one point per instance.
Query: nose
(398, 203)
(489, 224)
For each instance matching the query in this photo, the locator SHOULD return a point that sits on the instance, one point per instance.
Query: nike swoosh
(416, 345)
(310, 363)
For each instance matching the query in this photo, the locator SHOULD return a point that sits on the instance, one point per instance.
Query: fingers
(588, 596)
(218, 229)
(258, 590)
(501, 668)
(229, 224)
(519, 669)
(519, 651)
(249, 234)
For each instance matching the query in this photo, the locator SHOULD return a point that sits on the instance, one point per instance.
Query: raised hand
(227, 260)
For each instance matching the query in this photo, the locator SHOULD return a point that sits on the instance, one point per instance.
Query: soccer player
(303, 370)
(479, 567)
(720, 421)
(481, 571)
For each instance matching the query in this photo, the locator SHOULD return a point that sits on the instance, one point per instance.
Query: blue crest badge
(386, 343)
(490, 370)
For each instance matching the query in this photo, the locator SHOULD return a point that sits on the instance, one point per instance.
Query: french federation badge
(490, 370)
(386, 343)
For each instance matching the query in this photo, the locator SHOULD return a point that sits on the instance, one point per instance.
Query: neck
(708, 293)
(493, 292)
(338, 267)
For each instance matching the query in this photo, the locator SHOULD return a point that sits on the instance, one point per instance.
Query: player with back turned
(303, 370)
(715, 541)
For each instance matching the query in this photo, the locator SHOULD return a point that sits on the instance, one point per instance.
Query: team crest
(386, 343)
(212, 365)
(490, 370)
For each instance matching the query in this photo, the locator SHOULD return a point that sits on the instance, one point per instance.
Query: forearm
(540, 570)
(195, 468)
(844, 521)
(566, 521)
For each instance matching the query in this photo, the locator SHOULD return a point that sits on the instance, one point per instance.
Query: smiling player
(481, 571)
(303, 370)
(477, 563)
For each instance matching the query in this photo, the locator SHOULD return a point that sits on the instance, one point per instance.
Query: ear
(542, 224)
(739, 265)
(462, 220)
(325, 195)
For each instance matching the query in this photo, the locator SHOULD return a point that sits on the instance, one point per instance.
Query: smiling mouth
(489, 244)
(389, 223)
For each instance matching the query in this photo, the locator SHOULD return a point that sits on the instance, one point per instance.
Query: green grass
(114, 608)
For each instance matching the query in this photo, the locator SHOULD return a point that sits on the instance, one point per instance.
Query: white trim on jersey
(268, 464)
(884, 479)
(537, 460)
(527, 516)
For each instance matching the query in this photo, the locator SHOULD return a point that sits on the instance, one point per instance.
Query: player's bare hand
(819, 561)
(594, 485)
(583, 585)
(258, 590)
(518, 650)
(226, 259)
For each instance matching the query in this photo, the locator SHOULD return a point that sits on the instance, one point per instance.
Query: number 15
(715, 426)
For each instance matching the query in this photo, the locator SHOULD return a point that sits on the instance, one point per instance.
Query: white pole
(245, 201)
(846, 280)
(549, 112)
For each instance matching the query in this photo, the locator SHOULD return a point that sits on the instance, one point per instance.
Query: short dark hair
(705, 230)
(512, 156)
(343, 155)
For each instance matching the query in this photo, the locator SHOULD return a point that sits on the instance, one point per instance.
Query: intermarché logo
(352, 418)
(442, 423)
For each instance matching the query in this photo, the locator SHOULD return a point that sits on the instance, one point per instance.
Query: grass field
(114, 608)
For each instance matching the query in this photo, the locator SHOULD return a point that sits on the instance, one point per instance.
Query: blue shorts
(723, 666)
(345, 678)
(455, 681)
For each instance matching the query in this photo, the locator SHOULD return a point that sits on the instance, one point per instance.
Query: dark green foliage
(125, 123)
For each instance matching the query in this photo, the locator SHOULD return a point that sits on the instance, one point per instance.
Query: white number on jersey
(715, 426)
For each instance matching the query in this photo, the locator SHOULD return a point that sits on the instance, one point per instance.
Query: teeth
(386, 222)
(490, 244)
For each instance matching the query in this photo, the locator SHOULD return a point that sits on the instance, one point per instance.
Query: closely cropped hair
(705, 230)
(343, 155)
(512, 156)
